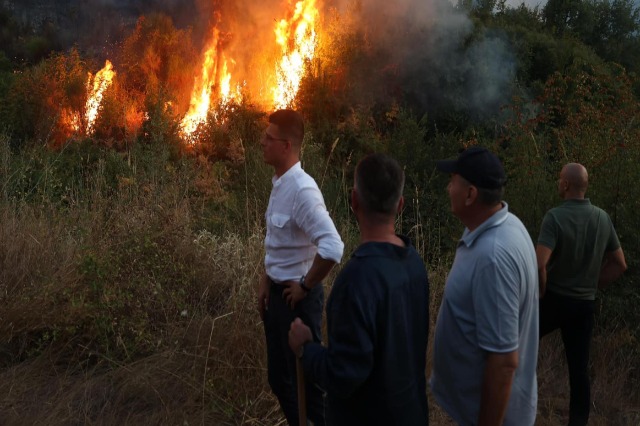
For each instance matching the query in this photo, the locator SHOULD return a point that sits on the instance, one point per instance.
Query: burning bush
(158, 58)
(45, 101)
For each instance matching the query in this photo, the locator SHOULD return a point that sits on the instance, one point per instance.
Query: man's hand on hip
(293, 293)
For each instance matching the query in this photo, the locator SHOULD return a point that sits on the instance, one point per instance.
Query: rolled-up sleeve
(311, 215)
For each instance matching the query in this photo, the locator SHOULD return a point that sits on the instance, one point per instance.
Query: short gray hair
(487, 197)
(379, 184)
(490, 197)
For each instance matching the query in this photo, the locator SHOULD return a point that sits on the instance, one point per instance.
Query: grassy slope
(131, 301)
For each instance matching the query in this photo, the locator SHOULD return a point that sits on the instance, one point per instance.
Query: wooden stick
(302, 397)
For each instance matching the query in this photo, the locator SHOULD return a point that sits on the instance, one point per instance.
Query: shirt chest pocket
(280, 220)
(281, 228)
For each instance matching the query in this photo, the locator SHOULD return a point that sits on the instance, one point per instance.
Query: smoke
(441, 63)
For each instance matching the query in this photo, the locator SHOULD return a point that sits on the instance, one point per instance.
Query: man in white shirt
(302, 245)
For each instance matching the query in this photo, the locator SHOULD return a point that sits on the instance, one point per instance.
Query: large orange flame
(298, 41)
(214, 76)
(201, 93)
(226, 94)
(96, 88)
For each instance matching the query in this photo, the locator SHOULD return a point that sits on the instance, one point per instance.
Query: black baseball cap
(477, 165)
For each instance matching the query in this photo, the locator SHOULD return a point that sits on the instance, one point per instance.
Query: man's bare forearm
(496, 387)
(319, 270)
(543, 254)
(613, 267)
(542, 281)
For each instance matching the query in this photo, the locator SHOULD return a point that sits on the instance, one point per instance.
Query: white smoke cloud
(441, 62)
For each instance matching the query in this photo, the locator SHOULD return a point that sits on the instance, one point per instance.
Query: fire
(298, 40)
(214, 75)
(101, 82)
(226, 94)
(201, 93)
(71, 119)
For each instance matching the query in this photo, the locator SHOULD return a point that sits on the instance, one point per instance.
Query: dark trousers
(574, 318)
(281, 362)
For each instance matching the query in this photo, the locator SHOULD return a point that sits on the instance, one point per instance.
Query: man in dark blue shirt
(373, 369)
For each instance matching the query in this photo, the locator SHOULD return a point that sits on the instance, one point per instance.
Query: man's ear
(354, 201)
(400, 204)
(472, 194)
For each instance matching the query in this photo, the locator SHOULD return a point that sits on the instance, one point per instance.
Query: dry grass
(615, 400)
(207, 366)
(122, 308)
(115, 310)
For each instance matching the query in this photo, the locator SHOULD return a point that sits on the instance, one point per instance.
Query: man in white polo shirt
(302, 245)
(486, 341)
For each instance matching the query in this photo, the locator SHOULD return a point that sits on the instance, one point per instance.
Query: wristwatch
(304, 287)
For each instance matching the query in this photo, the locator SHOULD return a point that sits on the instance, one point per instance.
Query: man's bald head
(576, 179)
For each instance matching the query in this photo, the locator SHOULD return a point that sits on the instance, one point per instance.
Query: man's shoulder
(503, 232)
(514, 221)
(553, 211)
(351, 280)
(357, 266)
(556, 213)
(359, 270)
(302, 180)
(599, 210)
(509, 240)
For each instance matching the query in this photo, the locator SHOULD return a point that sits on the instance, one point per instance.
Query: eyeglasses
(267, 137)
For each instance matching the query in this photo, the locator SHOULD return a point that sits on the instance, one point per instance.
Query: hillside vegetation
(129, 258)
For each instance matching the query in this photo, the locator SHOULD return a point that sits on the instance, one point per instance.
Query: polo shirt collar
(578, 201)
(275, 180)
(374, 248)
(468, 237)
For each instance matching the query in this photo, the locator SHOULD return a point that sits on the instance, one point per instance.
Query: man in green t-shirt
(578, 252)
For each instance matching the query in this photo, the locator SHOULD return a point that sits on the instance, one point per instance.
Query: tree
(589, 115)
(611, 28)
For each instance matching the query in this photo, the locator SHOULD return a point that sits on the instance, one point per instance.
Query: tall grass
(120, 308)
(128, 288)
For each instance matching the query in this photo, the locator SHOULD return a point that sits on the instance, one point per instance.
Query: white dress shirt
(298, 227)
